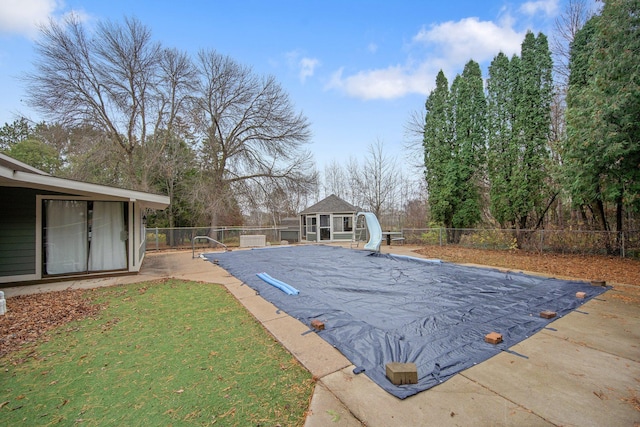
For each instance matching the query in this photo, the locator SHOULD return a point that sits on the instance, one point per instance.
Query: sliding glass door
(108, 249)
(84, 236)
(66, 236)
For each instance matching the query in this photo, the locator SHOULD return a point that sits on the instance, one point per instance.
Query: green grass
(166, 353)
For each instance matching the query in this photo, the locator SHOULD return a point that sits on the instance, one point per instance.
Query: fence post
(622, 243)
(157, 240)
(440, 236)
(541, 240)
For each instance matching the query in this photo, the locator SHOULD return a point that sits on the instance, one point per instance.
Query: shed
(330, 220)
(56, 228)
(290, 229)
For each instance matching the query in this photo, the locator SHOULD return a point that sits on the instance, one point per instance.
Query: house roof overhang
(17, 174)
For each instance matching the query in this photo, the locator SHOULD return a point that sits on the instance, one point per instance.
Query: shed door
(325, 227)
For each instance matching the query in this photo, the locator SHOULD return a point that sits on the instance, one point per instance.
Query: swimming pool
(379, 308)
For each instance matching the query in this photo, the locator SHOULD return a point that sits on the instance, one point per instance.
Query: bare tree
(336, 181)
(116, 80)
(376, 180)
(416, 211)
(413, 140)
(247, 130)
(277, 199)
(575, 15)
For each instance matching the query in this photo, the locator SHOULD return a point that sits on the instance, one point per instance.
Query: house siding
(18, 231)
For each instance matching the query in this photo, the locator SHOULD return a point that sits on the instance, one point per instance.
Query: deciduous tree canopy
(155, 119)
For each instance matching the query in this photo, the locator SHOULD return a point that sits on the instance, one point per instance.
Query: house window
(343, 223)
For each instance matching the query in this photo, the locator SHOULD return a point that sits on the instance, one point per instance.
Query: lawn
(167, 353)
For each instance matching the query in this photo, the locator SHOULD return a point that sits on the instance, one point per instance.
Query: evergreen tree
(454, 141)
(533, 120)
(15, 132)
(583, 168)
(437, 151)
(602, 150)
(469, 118)
(503, 151)
(520, 93)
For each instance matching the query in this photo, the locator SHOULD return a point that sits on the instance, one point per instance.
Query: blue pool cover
(379, 308)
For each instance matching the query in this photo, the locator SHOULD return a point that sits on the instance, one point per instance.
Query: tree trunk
(619, 224)
(171, 214)
(521, 236)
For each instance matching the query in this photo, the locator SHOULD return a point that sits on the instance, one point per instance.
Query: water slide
(375, 231)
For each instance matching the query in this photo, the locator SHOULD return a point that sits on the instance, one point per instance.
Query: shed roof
(330, 204)
(14, 173)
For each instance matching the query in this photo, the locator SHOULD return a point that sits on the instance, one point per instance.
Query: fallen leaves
(583, 267)
(29, 317)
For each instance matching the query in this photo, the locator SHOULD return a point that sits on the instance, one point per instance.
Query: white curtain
(66, 248)
(108, 250)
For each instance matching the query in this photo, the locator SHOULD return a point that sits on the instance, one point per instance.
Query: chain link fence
(624, 244)
(181, 238)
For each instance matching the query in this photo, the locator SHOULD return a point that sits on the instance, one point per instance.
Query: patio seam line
(531, 411)
(353, 414)
(583, 344)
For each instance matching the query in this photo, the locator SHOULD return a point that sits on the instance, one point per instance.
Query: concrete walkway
(584, 371)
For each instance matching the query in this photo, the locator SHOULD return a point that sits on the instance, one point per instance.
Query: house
(330, 220)
(53, 228)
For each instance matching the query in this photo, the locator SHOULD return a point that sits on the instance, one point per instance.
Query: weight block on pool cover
(317, 324)
(581, 294)
(547, 314)
(493, 338)
(402, 373)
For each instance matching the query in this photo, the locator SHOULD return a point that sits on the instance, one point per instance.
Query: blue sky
(356, 69)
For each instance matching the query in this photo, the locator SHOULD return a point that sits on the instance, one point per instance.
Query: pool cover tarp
(380, 308)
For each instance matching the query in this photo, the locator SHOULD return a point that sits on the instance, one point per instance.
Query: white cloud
(470, 38)
(388, 83)
(447, 46)
(24, 16)
(307, 67)
(548, 7)
(303, 65)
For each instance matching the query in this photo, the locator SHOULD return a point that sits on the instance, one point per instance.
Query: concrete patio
(584, 370)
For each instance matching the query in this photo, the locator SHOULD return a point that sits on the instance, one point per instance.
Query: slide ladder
(374, 229)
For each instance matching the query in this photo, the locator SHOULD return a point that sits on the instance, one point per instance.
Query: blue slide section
(284, 287)
(375, 231)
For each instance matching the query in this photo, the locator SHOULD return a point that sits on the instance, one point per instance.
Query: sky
(356, 69)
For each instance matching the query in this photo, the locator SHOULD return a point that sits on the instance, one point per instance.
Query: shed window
(311, 225)
(342, 223)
